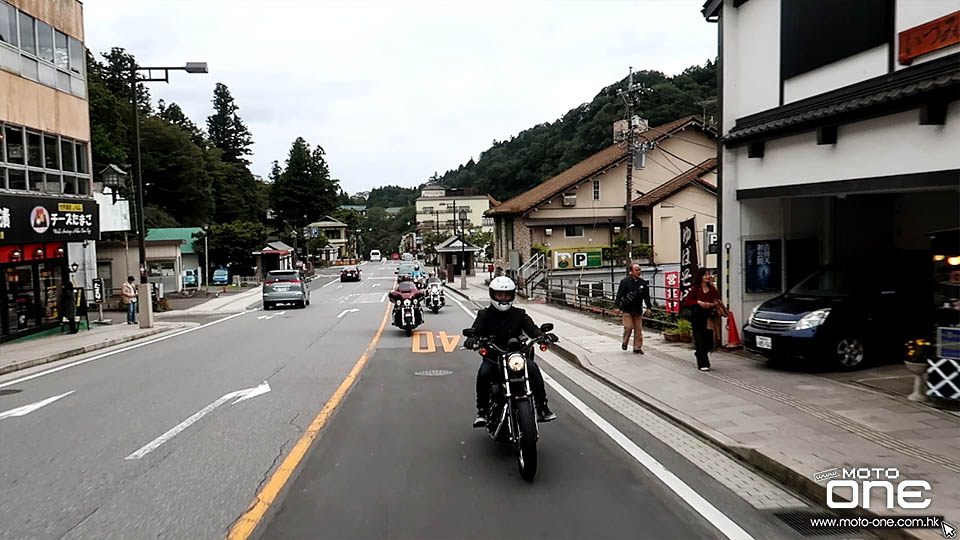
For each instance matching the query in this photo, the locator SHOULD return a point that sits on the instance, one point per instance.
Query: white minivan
(374, 255)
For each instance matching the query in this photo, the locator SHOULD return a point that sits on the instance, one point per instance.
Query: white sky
(395, 90)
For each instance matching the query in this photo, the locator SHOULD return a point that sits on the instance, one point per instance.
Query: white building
(840, 134)
(439, 209)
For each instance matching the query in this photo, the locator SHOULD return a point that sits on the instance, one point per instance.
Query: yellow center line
(250, 519)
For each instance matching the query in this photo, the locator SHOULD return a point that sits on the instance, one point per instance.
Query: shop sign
(48, 219)
(763, 266)
(928, 37)
(564, 260)
(688, 255)
(672, 280)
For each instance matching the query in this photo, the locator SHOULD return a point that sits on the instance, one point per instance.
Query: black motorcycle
(511, 413)
(408, 314)
(435, 299)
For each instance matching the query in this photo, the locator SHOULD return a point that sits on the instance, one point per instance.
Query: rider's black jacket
(503, 325)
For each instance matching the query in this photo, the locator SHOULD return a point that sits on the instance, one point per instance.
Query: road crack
(77, 524)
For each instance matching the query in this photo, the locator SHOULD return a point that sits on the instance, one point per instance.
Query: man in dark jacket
(68, 306)
(502, 321)
(633, 293)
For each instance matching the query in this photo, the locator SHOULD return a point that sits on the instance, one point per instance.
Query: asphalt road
(397, 459)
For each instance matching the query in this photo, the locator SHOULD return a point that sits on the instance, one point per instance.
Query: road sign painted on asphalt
(424, 342)
(27, 409)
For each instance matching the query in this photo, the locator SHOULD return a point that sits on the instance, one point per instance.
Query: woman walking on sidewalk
(633, 292)
(704, 300)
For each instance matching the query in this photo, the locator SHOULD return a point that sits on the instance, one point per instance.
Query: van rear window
(286, 276)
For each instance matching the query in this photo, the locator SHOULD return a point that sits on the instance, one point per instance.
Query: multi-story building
(439, 209)
(48, 218)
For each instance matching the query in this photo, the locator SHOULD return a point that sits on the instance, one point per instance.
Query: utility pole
(629, 96)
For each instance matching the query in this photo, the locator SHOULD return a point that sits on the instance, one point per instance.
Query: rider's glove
(470, 343)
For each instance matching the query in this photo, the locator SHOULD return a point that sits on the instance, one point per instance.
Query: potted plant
(918, 352)
(682, 333)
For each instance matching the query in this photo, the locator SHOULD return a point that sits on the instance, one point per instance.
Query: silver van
(285, 287)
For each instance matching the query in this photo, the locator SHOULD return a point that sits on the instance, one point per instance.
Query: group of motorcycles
(409, 299)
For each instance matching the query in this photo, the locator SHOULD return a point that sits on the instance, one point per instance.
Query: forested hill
(508, 168)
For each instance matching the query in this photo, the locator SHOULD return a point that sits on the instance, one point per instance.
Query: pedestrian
(499, 272)
(130, 295)
(707, 310)
(633, 293)
(68, 306)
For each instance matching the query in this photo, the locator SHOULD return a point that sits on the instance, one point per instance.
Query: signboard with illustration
(572, 259)
(48, 219)
(763, 268)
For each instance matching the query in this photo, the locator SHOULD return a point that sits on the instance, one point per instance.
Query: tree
(227, 131)
(175, 175)
(232, 244)
(316, 244)
(303, 190)
(174, 114)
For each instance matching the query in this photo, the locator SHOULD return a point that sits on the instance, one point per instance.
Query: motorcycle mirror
(469, 332)
(546, 327)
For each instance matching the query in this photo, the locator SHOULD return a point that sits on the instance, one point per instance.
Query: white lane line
(344, 312)
(325, 285)
(374, 285)
(703, 507)
(384, 297)
(27, 409)
(246, 393)
(118, 351)
(717, 518)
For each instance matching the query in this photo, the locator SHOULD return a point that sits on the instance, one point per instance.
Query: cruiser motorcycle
(435, 299)
(408, 314)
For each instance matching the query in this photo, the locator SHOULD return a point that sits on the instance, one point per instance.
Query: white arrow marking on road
(340, 286)
(375, 285)
(328, 284)
(246, 393)
(27, 409)
(344, 312)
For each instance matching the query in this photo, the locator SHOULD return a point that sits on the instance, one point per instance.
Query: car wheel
(267, 306)
(850, 352)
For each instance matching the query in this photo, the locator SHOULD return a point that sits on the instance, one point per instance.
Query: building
(584, 207)
(48, 217)
(439, 209)
(189, 258)
(360, 209)
(833, 148)
(334, 230)
(117, 259)
(274, 256)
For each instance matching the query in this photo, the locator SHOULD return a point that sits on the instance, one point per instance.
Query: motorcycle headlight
(753, 314)
(812, 319)
(516, 362)
(406, 302)
(399, 302)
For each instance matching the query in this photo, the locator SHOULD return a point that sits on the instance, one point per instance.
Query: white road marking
(118, 351)
(717, 518)
(374, 285)
(241, 395)
(27, 409)
(344, 312)
(325, 285)
(340, 286)
(268, 317)
(384, 297)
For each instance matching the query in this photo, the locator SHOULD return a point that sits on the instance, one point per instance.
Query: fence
(599, 297)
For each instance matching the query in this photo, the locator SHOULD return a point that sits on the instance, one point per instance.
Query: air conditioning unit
(569, 199)
(548, 231)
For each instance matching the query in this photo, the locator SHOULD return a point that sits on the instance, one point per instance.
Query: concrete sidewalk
(42, 350)
(788, 425)
(227, 304)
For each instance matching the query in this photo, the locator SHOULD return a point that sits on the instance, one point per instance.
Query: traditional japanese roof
(327, 222)
(454, 244)
(692, 176)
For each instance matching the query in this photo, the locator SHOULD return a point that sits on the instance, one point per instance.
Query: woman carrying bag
(702, 306)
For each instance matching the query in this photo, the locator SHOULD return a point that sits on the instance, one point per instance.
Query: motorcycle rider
(433, 279)
(502, 321)
(406, 290)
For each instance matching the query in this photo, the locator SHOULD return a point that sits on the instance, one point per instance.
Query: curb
(17, 366)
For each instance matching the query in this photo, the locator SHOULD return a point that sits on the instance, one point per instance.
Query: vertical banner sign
(672, 280)
(688, 255)
(98, 290)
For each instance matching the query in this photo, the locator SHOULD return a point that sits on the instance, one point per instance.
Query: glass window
(66, 151)
(34, 151)
(63, 81)
(10, 59)
(47, 74)
(54, 185)
(8, 24)
(44, 41)
(3, 177)
(83, 186)
(81, 157)
(14, 139)
(51, 152)
(596, 190)
(17, 179)
(28, 68)
(573, 231)
(76, 56)
(78, 87)
(35, 180)
(28, 40)
(61, 54)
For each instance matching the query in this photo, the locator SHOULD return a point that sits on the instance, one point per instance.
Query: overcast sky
(395, 90)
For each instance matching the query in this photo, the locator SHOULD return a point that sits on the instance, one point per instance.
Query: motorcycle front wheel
(409, 331)
(526, 440)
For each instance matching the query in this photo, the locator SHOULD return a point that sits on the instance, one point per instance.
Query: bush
(683, 328)
(660, 319)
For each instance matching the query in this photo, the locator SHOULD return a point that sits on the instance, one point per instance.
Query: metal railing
(598, 297)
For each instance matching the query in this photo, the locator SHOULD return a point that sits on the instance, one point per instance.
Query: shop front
(34, 232)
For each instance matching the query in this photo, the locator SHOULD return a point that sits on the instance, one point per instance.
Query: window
(51, 153)
(28, 40)
(29, 68)
(44, 41)
(66, 151)
(596, 189)
(61, 53)
(573, 231)
(17, 179)
(53, 184)
(34, 152)
(8, 24)
(14, 140)
(35, 180)
(81, 157)
(426, 209)
(76, 57)
(63, 81)
(70, 184)
(332, 234)
(83, 186)
(3, 177)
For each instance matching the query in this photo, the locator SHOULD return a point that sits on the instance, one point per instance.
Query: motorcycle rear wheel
(409, 331)
(526, 440)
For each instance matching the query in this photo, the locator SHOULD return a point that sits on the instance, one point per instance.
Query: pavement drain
(433, 373)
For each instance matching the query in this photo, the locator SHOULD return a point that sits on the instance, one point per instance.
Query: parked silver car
(285, 287)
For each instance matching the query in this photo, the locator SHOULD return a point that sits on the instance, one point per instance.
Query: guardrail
(598, 297)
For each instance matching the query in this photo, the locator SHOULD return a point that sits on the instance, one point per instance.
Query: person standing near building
(704, 300)
(130, 295)
(633, 293)
(68, 306)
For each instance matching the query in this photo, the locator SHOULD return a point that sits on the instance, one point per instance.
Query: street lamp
(463, 245)
(145, 300)
(357, 240)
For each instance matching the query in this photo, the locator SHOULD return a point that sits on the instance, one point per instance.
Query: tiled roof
(693, 175)
(184, 234)
(587, 168)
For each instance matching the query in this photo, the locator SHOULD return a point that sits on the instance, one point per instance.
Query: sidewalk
(788, 425)
(227, 304)
(43, 350)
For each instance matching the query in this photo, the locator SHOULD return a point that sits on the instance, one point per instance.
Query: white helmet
(503, 291)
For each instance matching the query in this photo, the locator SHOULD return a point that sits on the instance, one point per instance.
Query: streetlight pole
(145, 298)
(463, 248)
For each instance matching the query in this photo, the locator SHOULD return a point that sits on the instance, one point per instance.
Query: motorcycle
(435, 298)
(511, 413)
(407, 313)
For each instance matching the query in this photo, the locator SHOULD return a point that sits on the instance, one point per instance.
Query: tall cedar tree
(227, 131)
(304, 190)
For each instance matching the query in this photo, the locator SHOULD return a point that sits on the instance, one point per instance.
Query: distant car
(405, 269)
(221, 277)
(848, 314)
(408, 257)
(285, 287)
(190, 278)
(350, 273)
(375, 255)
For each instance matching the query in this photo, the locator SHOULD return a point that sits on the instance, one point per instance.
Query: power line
(679, 138)
(685, 161)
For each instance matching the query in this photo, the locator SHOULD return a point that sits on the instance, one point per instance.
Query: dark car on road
(285, 287)
(350, 273)
(846, 315)
(405, 270)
